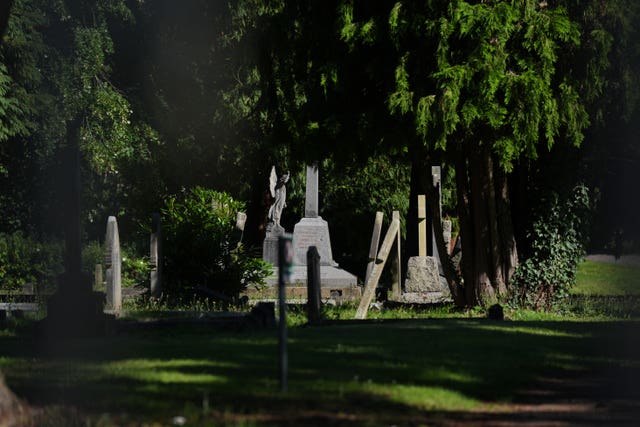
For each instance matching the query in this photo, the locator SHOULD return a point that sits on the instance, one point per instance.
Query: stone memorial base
(76, 311)
(423, 277)
(335, 283)
(312, 232)
(270, 245)
(423, 297)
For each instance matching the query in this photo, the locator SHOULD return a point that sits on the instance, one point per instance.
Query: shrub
(24, 260)
(134, 269)
(200, 249)
(558, 241)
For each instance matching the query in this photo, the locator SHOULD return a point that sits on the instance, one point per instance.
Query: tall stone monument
(312, 230)
(113, 261)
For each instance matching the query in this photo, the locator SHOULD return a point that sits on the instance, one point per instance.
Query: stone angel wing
(273, 180)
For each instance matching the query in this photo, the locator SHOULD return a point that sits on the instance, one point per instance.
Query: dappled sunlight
(167, 371)
(515, 328)
(422, 397)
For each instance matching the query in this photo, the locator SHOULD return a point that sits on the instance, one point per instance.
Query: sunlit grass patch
(422, 397)
(167, 371)
(601, 278)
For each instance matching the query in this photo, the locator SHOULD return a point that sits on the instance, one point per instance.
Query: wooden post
(313, 285)
(285, 262)
(375, 241)
(381, 258)
(397, 282)
(422, 225)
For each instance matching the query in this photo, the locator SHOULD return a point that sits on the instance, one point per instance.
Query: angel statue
(279, 195)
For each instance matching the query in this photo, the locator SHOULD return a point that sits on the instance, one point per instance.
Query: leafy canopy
(494, 74)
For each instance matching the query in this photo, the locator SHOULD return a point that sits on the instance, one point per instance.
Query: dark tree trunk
(5, 8)
(488, 243)
(464, 214)
(507, 235)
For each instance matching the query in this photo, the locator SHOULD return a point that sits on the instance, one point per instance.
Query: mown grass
(404, 366)
(600, 278)
(379, 372)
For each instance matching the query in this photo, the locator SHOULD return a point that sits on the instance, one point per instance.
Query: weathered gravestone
(312, 230)
(155, 257)
(425, 280)
(113, 261)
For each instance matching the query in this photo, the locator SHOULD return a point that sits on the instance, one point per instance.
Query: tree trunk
(495, 248)
(488, 243)
(479, 182)
(464, 215)
(507, 235)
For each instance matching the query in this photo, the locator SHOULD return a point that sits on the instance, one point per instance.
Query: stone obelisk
(312, 230)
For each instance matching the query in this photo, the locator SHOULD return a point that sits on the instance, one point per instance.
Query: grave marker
(155, 257)
(312, 230)
(113, 262)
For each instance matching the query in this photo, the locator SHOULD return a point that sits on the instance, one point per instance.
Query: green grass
(404, 366)
(600, 278)
(380, 372)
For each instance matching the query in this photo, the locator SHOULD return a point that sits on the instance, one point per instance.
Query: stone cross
(155, 257)
(311, 195)
(113, 263)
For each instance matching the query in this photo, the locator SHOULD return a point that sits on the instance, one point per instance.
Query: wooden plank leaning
(375, 241)
(376, 272)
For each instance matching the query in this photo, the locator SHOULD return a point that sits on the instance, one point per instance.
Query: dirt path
(632, 260)
(604, 398)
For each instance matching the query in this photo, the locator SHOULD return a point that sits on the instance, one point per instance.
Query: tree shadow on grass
(403, 372)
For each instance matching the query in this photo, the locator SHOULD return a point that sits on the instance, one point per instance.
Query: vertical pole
(285, 262)
(397, 281)
(313, 285)
(375, 241)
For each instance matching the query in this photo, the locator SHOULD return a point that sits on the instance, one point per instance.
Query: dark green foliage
(558, 240)
(200, 248)
(24, 260)
(492, 77)
(134, 269)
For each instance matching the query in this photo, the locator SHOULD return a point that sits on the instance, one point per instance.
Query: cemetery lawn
(602, 278)
(382, 372)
